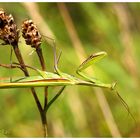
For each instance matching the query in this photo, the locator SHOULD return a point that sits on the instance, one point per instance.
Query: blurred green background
(80, 29)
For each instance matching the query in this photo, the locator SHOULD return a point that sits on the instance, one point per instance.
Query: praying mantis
(59, 78)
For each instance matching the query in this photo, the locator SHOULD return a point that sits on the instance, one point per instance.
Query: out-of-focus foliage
(110, 27)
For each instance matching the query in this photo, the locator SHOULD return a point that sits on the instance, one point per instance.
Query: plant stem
(44, 124)
(41, 58)
(26, 73)
(20, 59)
(44, 117)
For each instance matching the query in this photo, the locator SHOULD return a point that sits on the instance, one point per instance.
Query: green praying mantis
(59, 78)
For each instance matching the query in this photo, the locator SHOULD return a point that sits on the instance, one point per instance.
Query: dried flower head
(8, 29)
(31, 34)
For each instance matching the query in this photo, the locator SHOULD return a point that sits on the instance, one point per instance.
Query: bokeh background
(79, 29)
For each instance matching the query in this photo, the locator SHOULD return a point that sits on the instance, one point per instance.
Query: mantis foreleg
(88, 62)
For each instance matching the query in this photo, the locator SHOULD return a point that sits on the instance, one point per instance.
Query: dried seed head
(31, 34)
(8, 29)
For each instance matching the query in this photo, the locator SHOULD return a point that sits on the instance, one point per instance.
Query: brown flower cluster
(8, 29)
(10, 34)
(31, 34)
